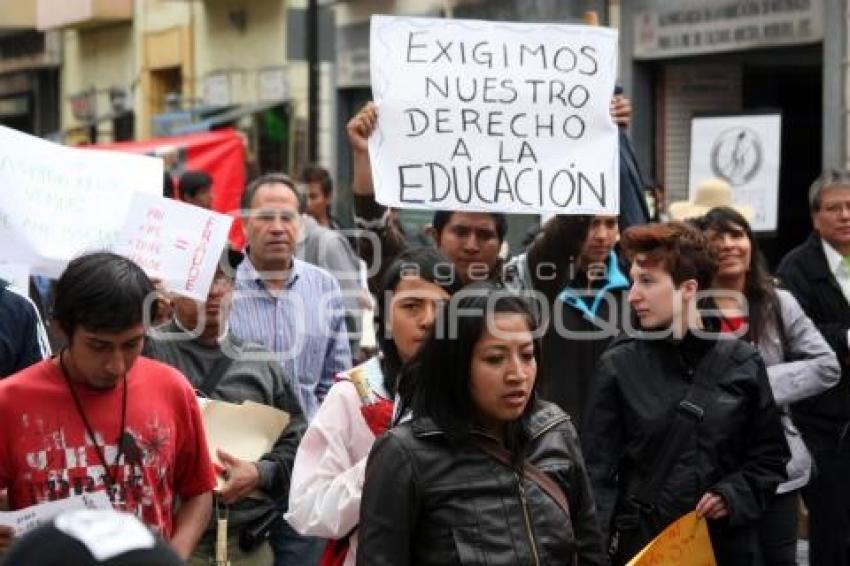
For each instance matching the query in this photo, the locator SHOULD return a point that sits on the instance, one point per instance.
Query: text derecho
(494, 116)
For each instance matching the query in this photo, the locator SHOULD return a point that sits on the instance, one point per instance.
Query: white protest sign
(493, 116)
(743, 150)
(27, 519)
(57, 202)
(176, 242)
(17, 274)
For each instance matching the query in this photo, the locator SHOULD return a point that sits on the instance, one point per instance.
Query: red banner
(220, 153)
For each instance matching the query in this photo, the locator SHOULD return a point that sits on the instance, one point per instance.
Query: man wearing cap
(818, 274)
(220, 366)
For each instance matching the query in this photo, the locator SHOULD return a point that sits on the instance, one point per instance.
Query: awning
(228, 116)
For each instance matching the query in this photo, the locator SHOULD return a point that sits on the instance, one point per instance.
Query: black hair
(193, 182)
(270, 179)
(427, 264)
(314, 173)
(442, 217)
(167, 185)
(759, 288)
(435, 384)
(102, 292)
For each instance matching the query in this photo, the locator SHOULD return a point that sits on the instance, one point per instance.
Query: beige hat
(710, 193)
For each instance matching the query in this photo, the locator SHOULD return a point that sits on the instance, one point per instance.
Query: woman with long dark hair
(800, 363)
(681, 418)
(327, 478)
(484, 472)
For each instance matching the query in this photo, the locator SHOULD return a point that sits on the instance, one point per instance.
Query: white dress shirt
(840, 270)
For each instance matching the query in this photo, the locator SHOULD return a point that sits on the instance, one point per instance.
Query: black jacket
(426, 502)
(22, 340)
(583, 324)
(805, 272)
(739, 450)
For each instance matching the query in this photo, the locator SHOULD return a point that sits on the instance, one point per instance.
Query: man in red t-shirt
(98, 417)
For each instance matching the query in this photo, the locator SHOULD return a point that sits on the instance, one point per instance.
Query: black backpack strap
(689, 413)
(218, 370)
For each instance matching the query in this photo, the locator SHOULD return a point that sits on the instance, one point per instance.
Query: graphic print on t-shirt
(61, 461)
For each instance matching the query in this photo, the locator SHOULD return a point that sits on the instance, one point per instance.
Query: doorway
(796, 90)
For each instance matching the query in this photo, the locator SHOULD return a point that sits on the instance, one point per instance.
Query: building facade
(29, 71)
(152, 68)
(687, 59)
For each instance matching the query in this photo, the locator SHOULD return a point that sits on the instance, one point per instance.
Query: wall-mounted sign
(217, 89)
(743, 150)
(725, 25)
(273, 84)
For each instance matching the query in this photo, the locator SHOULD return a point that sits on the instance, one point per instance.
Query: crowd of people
(561, 406)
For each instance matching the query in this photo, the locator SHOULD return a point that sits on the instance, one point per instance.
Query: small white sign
(217, 89)
(695, 26)
(176, 242)
(57, 202)
(494, 117)
(273, 84)
(743, 150)
(27, 519)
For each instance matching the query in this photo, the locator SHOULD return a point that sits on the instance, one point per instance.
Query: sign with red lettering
(684, 543)
(176, 242)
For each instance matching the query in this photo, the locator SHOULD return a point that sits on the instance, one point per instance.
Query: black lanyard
(124, 439)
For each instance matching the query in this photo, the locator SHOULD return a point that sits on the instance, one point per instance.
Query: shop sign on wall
(725, 25)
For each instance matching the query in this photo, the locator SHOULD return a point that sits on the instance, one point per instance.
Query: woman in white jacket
(800, 363)
(327, 479)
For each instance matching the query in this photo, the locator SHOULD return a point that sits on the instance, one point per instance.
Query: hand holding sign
(175, 242)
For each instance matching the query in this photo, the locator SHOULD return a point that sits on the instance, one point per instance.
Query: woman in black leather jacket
(680, 418)
(484, 473)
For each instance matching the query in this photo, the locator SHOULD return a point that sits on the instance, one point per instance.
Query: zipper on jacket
(527, 518)
(549, 427)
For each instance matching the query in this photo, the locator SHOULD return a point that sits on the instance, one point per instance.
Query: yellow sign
(684, 543)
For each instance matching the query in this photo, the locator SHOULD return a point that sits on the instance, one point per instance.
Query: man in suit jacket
(818, 274)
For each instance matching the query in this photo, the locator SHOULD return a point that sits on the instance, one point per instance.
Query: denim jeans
(292, 549)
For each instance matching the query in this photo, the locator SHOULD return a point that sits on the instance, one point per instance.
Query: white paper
(106, 534)
(494, 116)
(744, 151)
(57, 202)
(176, 242)
(246, 431)
(25, 520)
(18, 274)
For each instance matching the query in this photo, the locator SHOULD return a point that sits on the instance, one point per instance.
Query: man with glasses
(292, 308)
(818, 274)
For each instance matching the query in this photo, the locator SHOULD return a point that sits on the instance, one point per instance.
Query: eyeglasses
(836, 208)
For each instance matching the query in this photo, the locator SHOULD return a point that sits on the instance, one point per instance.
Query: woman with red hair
(681, 417)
